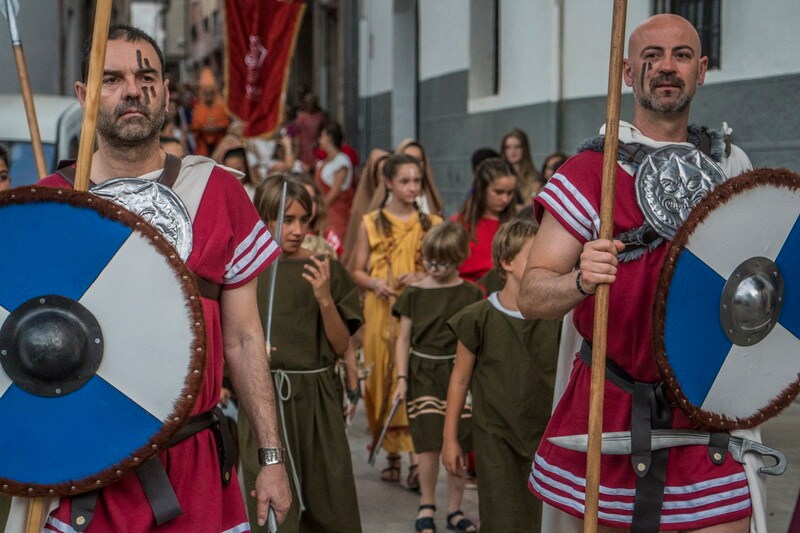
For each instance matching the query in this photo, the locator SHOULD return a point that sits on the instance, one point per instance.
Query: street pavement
(389, 508)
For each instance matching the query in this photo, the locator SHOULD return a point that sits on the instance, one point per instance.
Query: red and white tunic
(698, 493)
(232, 246)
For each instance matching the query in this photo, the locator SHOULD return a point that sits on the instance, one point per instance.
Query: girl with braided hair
(386, 258)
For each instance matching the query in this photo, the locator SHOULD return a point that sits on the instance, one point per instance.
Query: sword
(273, 272)
(619, 443)
(374, 451)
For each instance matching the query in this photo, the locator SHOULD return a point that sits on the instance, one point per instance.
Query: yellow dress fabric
(390, 257)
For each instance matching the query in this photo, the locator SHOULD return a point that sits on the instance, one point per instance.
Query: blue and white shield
(727, 315)
(102, 343)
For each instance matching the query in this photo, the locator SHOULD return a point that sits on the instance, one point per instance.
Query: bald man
(681, 489)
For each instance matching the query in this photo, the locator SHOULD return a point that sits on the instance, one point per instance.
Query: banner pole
(600, 333)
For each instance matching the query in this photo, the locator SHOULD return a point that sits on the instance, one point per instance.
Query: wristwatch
(271, 456)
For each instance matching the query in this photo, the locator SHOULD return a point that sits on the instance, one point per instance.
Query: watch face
(270, 456)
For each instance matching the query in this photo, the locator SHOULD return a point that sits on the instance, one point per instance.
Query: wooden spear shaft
(600, 332)
(27, 93)
(97, 57)
(94, 82)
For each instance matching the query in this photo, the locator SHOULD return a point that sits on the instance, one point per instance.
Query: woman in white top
(334, 175)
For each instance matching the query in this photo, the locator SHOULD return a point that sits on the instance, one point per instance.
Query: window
(484, 48)
(706, 16)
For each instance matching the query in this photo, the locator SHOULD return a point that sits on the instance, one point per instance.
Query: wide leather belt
(153, 478)
(650, 410)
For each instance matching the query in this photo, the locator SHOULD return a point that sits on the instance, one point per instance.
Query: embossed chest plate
(670, 182)
(157, 204)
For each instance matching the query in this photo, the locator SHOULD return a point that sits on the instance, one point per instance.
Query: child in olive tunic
(509, 364)
(424, 357)
(316, 310)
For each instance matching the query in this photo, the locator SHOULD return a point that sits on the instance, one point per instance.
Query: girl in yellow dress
(386, 259)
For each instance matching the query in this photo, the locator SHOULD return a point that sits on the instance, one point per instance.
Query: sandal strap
(427, 506)
(426, 522)
(462, 525)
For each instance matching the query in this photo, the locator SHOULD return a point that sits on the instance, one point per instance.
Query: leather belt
(153, 478)
(650, 410)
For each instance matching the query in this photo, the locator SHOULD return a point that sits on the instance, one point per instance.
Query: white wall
(527, 64)
(759, 39)
(444, 37)
(376, 67)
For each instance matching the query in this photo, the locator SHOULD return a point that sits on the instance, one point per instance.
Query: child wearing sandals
(509, 365)
(316, 310)
(424, 356)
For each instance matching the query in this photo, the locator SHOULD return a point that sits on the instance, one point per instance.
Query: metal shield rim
(764, 176)
(194, 379)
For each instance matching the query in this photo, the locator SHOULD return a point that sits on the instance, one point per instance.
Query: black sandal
(465, 525)
(425, 523)
(391, 474)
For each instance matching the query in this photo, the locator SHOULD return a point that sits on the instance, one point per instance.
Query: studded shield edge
(709, 420)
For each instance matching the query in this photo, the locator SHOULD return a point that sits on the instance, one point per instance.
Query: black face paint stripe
(153, 91)
(147, 63)
(146, 96)
(139, 58)
(647, 67)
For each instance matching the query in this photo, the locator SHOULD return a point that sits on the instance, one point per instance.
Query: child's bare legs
(428, 475)
(455, 495)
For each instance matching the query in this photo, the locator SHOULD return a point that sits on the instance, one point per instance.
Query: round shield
(727, 314)
(102, 343)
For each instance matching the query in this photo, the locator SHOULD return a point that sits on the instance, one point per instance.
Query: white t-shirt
(329, 169)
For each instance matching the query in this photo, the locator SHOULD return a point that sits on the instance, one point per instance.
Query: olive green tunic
(312, 410)
(429, 310)
(492, 281)
(512, 394)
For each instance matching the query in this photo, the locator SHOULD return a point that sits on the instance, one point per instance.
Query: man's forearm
(548, 294)
(249, 370)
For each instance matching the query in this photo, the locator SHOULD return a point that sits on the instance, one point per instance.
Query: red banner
(261, 36)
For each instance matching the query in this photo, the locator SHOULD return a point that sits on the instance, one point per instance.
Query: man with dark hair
(231, 246)
(689, 491)
(5, 176)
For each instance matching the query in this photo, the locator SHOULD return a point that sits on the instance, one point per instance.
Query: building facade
(459, 74)
(52, 35)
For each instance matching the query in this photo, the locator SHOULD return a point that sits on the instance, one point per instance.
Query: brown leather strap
(172, 167)
(208, 289)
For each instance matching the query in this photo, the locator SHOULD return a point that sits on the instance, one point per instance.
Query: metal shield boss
(102, 342)
(727, 313)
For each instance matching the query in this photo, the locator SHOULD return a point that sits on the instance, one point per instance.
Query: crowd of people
(448, 327)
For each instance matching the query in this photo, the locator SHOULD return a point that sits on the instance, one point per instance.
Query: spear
(600, 333)
(9, 9)
(97, 56)
(94, 81)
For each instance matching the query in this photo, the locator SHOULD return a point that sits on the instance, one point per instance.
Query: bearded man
(231, 246)
(676, 489)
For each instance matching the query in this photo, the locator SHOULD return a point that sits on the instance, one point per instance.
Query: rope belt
(650, 410)
(434, 357)
(283, 390)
